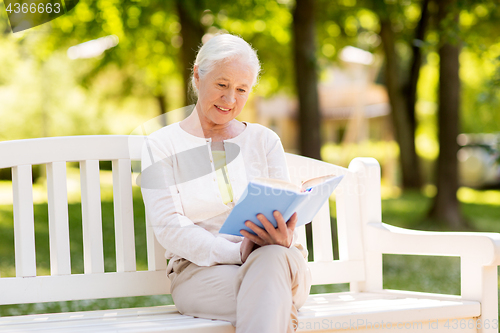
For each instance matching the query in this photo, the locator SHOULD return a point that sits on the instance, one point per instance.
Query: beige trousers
(262, 295)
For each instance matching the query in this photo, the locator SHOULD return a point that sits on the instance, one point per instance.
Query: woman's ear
(196, 76)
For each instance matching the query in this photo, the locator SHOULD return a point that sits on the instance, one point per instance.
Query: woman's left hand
(282, 235)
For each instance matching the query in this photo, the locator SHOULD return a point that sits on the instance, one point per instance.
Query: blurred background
(413, 83)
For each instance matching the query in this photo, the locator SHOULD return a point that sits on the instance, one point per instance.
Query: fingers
(292, 222)
(271, 230)
(254, 238)
(271, 235)
(281, 222)
(265, 236)
(277, 235)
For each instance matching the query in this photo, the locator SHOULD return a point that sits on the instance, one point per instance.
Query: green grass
(425, 273)
(428, 274)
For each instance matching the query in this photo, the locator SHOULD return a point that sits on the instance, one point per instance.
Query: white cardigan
(181, 193)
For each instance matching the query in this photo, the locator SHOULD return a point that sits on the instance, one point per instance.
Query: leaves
(148, 56)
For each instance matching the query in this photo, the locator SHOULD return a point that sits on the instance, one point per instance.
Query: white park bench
(362, 238)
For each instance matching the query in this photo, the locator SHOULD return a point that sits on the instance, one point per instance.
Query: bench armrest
(483, 247)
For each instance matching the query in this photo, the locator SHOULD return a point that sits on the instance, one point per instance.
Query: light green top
(225, 188)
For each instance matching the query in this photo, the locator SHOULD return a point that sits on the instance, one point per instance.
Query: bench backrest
(62, 285)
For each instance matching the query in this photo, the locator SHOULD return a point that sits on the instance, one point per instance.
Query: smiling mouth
(222, 109)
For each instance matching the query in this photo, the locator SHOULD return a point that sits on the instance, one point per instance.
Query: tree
(405, 134)
(402, 91)
(480, 66)
(446, 206)
(416, 63)
(192, 32)
(147, 53)
(401, 72)
(306, 78)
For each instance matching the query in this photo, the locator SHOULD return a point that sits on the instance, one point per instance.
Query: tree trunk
(191, 31)
(401, 121)
(162, 106)
(306, 80)
(416, 63)
(446, 207)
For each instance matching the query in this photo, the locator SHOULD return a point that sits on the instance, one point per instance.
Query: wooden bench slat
(69, 148)
(24, 226)
(337, 271)
(156, 252)
(91, 217)
(301, 236)
(57, 193)
(322, 235)
(386, 306)
(140, 324)
(124, 216)
(163, 310)
(348, 225)
(114, 320)
(83, 286)
(357, 309)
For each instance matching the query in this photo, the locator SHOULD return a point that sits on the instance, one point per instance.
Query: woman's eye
(222, 85)
(242, 90)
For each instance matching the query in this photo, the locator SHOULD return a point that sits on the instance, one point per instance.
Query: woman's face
(223, 92)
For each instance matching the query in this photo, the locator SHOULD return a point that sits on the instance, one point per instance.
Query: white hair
(225, 47)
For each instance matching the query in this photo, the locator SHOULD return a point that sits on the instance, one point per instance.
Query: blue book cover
(267, 195)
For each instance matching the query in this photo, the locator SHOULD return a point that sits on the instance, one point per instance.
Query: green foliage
(88, 96)
(266, 25)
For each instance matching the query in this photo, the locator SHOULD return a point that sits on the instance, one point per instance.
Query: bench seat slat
(24, 226)
(387, 306)
(93, 254)
(124, 216)
(147, 324)
(57, 193)
(166, 310)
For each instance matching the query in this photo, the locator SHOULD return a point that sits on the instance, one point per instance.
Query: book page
(315, 181)
(277, 183)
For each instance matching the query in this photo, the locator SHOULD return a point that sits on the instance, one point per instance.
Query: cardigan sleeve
(174, 231)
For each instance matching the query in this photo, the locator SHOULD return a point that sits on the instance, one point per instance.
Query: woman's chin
(223, 117)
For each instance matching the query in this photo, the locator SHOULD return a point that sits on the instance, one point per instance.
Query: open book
(264, 195)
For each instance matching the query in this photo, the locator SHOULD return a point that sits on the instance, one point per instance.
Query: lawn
(429, 274)
(425, 273)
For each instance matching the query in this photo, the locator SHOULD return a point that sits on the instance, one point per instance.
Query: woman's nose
(229, 96)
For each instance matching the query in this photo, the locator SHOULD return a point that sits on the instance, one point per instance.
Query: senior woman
(199, 168)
